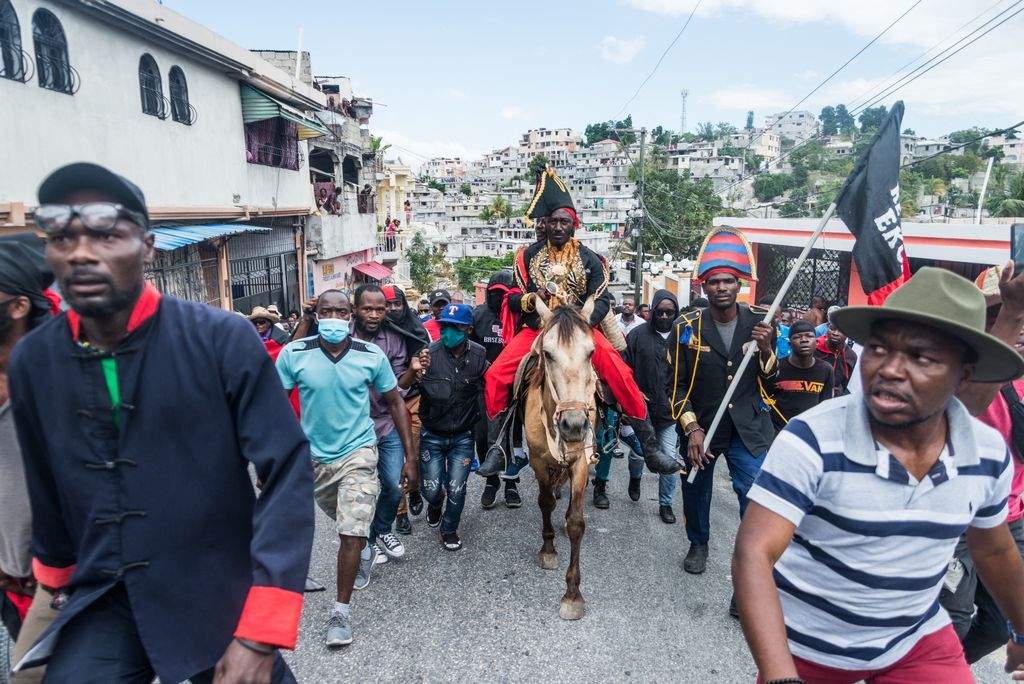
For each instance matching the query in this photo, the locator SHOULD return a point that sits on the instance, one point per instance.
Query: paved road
(488, 612)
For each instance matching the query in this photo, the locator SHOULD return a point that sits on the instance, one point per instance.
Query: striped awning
(173, 237)
(373, 269)
(258, 106)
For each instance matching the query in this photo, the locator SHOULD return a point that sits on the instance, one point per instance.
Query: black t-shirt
(796, 390)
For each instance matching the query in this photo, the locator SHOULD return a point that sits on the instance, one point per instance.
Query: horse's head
(566, 344)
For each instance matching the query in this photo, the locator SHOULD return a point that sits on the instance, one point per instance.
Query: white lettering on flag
(888, 224)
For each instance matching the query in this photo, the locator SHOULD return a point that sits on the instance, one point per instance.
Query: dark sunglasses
(661, 313)
(95, 216)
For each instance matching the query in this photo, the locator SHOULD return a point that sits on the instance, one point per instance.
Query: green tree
(378, 147)
(871, 118)
(706, 131)
(768, 186)
(969, 136)
(421, 264)
(844, 120)
(471, 270)
(796, 205)
(680, 210)
(436, 185)
(750, 121)
(909, 131)
(606, 130)
(466, 189)
(724, 129)
(537, 166)
(829, 122)
(661, 136)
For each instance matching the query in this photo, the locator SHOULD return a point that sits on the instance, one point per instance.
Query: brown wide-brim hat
(262, 312)
(939, 299)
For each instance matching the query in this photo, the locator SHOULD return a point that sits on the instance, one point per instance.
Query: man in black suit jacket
(708, 346)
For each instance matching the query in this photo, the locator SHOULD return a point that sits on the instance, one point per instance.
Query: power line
(879, 84)
(660, 59)
(836, 72)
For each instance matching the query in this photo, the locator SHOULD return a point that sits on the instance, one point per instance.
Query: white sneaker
(390, 545)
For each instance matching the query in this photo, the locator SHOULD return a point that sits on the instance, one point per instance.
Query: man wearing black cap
(144, 515)
(803, 381)
(24, 305)
(438, 300)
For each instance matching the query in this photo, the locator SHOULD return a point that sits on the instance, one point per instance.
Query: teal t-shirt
(334, 394)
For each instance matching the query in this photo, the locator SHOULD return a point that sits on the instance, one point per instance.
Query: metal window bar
(825, 273)
(56, 74)
(182, 111)
(14, 61)
(151, 94)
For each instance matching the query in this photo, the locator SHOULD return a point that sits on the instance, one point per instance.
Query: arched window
(151, 88)
(12, 62)
(181, 111)
(52, 64)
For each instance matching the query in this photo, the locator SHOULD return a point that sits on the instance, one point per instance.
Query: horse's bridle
(555, 441)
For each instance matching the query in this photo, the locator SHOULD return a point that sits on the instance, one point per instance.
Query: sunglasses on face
(99, 217)
(661, 313)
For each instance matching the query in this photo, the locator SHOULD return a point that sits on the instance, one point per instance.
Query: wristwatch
(1014, 636)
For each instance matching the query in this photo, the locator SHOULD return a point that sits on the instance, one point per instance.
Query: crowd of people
(875, 452)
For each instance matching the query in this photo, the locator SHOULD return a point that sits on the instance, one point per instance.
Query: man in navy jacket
(138, 415)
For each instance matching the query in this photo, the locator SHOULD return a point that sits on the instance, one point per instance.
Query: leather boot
(656, 460)
(495, 461)
(600, 496)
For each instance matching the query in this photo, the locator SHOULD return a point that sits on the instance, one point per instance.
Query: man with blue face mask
(334, 373)
(452, 390)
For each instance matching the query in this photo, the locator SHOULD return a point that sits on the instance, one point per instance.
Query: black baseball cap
(87, 176)
(439, 296)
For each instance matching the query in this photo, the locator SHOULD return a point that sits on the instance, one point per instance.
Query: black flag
(869, 204)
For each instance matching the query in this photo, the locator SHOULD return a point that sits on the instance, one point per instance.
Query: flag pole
(751, 349)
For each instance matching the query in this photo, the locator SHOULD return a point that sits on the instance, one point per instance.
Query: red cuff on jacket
(271, 616)
(51, 576)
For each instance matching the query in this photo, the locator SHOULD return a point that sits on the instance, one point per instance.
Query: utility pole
(638, 230)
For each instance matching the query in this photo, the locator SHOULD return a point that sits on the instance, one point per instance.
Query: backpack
(1013, 401)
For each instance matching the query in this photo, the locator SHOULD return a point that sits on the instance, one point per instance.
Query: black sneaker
(634, 488)
(433, 516)
(512, 498)
(451, 541)
(415, 503)
(403, 525)
(487, 499)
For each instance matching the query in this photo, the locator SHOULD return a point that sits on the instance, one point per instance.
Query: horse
(559, 419)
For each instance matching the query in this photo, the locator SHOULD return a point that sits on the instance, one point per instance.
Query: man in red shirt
(977, 619)
(438, 300)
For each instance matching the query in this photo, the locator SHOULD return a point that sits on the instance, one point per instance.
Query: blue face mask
(333, 330)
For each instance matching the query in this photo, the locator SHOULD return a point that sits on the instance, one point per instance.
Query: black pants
(101, 645)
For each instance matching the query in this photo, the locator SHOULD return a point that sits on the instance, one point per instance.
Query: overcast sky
(460, 78)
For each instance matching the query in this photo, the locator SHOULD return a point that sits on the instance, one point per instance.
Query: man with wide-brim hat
(853, 520)
(265, 321)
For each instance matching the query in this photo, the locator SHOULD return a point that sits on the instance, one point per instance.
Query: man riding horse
(560, 267)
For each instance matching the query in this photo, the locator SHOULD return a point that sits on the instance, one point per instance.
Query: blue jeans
(669, 442)
(743, 468)
(444, 467)
(390, 459)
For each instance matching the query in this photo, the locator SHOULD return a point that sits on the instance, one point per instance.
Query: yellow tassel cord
(693, 377)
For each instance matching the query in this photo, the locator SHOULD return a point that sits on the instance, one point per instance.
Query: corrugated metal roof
(258, 106)
(173, 237)
(373, 269)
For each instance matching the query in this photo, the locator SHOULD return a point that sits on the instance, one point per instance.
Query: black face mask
(494, 300)
(395, 316)
(662, 324)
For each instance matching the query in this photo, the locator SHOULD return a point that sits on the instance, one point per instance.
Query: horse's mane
(566, 320)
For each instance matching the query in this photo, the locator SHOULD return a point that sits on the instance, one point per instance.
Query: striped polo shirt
(860, 581)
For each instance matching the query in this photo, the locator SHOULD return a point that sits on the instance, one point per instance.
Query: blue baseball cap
(456, 314)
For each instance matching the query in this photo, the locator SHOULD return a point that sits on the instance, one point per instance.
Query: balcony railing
(182, 111)
(57, 74)
(15, 63)
(390, 248)
(153, 102)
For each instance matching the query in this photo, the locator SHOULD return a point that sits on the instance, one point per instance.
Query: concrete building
(1012, 148)
(796, 125)
(444, 168)
(760, 141)
(215, 136)
(546, 140)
